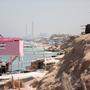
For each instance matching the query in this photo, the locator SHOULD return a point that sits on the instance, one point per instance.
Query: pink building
(11, 46)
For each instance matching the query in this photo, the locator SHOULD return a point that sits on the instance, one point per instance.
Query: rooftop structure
(11, 46)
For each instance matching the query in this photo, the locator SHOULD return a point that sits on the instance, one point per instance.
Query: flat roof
(2, 39)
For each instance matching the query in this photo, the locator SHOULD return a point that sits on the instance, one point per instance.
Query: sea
(30, 54)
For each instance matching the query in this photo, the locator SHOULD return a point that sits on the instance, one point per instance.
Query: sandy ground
(37, 75)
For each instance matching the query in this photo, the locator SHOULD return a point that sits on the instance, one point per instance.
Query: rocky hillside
(73, 73)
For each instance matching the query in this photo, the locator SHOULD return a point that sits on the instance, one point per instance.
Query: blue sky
(48, 16)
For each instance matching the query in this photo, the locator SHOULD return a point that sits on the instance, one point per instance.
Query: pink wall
(21, 48)
(11, 47)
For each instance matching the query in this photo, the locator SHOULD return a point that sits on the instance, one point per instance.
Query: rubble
(37, 64)
(74, 72)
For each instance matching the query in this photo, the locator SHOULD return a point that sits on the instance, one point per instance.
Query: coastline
(28, 77)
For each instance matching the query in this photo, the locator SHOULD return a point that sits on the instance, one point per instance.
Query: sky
(48, 17)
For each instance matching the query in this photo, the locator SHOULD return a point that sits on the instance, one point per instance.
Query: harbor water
(30, 54)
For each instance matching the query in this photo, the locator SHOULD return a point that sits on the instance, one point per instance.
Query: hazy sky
(48, 16)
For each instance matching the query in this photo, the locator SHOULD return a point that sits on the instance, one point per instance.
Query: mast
(26, 30)
(33, 38)
(32, 31)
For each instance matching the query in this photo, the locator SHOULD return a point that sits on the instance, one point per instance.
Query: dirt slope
(74, 72)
